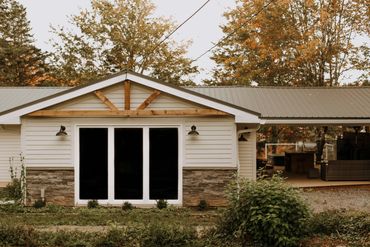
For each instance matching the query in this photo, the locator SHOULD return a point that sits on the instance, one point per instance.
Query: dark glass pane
(163, 166)
(93, 163)
(128, 163)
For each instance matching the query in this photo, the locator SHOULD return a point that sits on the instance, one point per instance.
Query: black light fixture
(242, 138)
(62, 131)
(193, 131)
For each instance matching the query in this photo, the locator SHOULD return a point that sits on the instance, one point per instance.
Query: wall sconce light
(193, 131)
(62, 131)
(242, 138)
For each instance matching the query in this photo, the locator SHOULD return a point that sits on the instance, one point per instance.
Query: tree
(21, 63)
(293, 42)
(120, 35)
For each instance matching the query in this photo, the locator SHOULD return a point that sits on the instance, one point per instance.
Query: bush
(339, 222)
(269, 212)
(17, 236)
(39, 203)
(203, 205)
(93, 204)
(127, 206)
(161, 204)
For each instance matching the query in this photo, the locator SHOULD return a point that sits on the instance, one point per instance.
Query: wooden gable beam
(105, 100)
(127, 99)
(128, 113)
(149, 100)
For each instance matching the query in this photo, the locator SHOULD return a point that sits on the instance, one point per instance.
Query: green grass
(103, 216)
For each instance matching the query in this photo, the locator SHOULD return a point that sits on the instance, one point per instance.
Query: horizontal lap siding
(247, 157)
(10, 146)
(215, 145)
(41, 147)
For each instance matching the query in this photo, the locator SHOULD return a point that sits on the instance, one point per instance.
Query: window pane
(128, 163)
(93, 163)
(163, 167)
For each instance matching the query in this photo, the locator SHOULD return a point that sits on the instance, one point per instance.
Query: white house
(132, 138)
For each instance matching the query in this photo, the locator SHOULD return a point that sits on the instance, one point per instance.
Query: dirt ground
(347, 197)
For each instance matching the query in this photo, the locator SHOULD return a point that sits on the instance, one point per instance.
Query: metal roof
(270, 102)
(280, 102)
(11, 97)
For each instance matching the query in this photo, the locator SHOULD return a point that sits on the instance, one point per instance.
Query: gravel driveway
(340, 197)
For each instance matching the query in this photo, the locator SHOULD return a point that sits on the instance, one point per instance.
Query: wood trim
(127, 94)
(128, 113)
(149, 100)
(105, 100)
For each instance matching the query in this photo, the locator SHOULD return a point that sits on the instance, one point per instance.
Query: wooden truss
(140, 111)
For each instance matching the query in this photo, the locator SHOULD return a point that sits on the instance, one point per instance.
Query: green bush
(39, 203)
(161, 204)
(168, 235)
(203, 205)
(93, 204)
(127, 206)
(269, 212)
(339, 222)
(17, 236)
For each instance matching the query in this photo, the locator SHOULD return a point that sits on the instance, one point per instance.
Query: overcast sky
(202, 29)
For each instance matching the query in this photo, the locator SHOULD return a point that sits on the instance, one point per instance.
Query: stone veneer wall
(58, 184)
(206, 184)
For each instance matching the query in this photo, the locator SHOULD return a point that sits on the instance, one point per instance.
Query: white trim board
(111, 200)
(240, 116)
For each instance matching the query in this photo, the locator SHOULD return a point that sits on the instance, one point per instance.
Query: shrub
(168, 235)
(339, 222)
(269, 212)
(203, 205)
(92, 204)
(127, 206)
(17, 236)
(161, 204)
(39, 203)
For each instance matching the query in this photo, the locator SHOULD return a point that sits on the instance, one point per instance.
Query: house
(131, 138)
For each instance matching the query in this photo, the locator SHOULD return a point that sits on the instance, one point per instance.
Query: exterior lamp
(62, 131)
(193, 131)
(242, 138)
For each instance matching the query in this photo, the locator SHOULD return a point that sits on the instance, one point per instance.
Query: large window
(138, 164)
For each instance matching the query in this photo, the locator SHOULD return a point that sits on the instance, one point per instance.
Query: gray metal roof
(11, 97)
(279, 102)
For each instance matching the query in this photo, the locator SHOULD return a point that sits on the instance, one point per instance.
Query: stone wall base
(206, 184)
(58, 185)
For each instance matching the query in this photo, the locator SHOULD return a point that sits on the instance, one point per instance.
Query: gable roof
(12, 116)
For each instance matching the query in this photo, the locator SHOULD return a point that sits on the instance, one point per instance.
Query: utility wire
(230, 34)
(177, 28)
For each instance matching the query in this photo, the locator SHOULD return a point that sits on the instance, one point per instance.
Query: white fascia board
(329, 121)
(240, 116)
(16, 121)
(62, 98)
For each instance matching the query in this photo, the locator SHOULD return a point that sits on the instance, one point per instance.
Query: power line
(177, 28)
(218, 43)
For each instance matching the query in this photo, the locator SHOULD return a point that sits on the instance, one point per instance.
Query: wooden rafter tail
(127, 94)
(128, 113)
(105, 100)
(149, 100)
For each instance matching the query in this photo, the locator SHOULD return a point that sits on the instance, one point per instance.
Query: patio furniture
(346, 170)
(299, 162)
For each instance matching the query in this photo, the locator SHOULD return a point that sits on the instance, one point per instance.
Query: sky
(203, 29)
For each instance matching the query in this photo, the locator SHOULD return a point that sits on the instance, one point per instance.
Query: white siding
(41, 147)
(247, 157)
(10, 146)
(214, 147)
